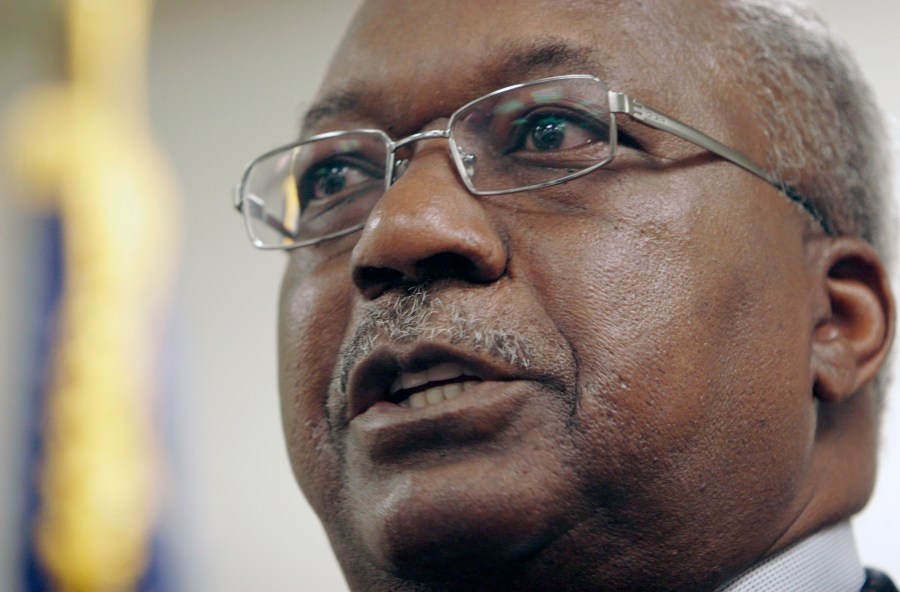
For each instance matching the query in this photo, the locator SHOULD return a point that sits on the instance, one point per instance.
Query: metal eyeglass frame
(618, 103)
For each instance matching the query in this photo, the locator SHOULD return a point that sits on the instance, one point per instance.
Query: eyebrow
(519, 60)
(515, 61)
(344, 101)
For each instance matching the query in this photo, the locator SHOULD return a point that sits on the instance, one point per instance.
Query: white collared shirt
(825, 562)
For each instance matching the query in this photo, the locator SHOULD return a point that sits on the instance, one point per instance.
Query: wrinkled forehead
(404, 63)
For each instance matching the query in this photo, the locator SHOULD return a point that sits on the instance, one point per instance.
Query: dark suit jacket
(878, 582)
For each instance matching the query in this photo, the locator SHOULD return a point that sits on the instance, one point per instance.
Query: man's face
(630, 351)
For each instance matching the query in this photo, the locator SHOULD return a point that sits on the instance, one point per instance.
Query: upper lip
(389, 370)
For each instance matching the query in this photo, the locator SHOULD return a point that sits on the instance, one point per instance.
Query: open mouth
(420, 377)
(443, 382)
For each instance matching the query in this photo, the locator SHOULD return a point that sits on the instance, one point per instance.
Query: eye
(551, 132)
(548, 133)
(545, 131)
(332, 180)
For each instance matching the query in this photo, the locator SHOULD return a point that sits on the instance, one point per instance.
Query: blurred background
(216, 83)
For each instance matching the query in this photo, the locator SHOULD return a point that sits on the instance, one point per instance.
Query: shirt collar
(826, 560)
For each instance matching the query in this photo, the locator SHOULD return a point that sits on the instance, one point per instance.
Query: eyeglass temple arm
(257, 209)
(236, 199)
(622, 103)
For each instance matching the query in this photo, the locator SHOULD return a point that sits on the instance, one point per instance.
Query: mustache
(418, 316)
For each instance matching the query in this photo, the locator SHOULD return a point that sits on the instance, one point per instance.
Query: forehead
(408, 62)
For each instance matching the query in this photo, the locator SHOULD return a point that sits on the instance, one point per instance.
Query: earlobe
(854, 317)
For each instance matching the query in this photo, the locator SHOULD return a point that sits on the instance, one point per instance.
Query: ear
(854, 315)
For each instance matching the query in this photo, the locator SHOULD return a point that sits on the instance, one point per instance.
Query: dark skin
(696, 397)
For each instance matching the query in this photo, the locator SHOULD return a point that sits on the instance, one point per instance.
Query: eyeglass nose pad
(400, 166)
(468, 160)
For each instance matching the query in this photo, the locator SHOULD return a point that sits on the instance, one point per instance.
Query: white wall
(229, 79)
(869, 27)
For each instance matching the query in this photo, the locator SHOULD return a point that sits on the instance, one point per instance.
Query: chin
(452, 524)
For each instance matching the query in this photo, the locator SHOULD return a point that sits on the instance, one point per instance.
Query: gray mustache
(418, 316)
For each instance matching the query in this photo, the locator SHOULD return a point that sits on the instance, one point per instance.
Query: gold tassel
(87, 146)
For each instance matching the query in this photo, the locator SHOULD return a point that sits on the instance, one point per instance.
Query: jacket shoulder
(878, 582)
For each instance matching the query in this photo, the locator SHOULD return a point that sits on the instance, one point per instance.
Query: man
(551, 338)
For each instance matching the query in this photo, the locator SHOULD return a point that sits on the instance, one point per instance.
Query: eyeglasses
(519, 138)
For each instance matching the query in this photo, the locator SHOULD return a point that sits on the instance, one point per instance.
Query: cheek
(693, 360)
(313, 316)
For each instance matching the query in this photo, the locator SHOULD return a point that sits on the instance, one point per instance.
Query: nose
(427, 227)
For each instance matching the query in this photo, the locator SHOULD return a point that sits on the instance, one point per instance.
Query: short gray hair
(828, 137)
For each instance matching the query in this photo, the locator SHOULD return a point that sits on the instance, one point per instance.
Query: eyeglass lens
(515, 139)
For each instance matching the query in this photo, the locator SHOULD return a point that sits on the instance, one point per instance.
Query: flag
(83, 150)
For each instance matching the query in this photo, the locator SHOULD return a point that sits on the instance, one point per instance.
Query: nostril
(446, 265)
(375, 281)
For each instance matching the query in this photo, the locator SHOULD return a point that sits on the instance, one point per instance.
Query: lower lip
(387, 431)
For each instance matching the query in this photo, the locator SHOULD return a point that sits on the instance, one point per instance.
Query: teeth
(411, 380)
(434, 395)
(444, 372)
(451, 391)
(408, 381)
(437, 394)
